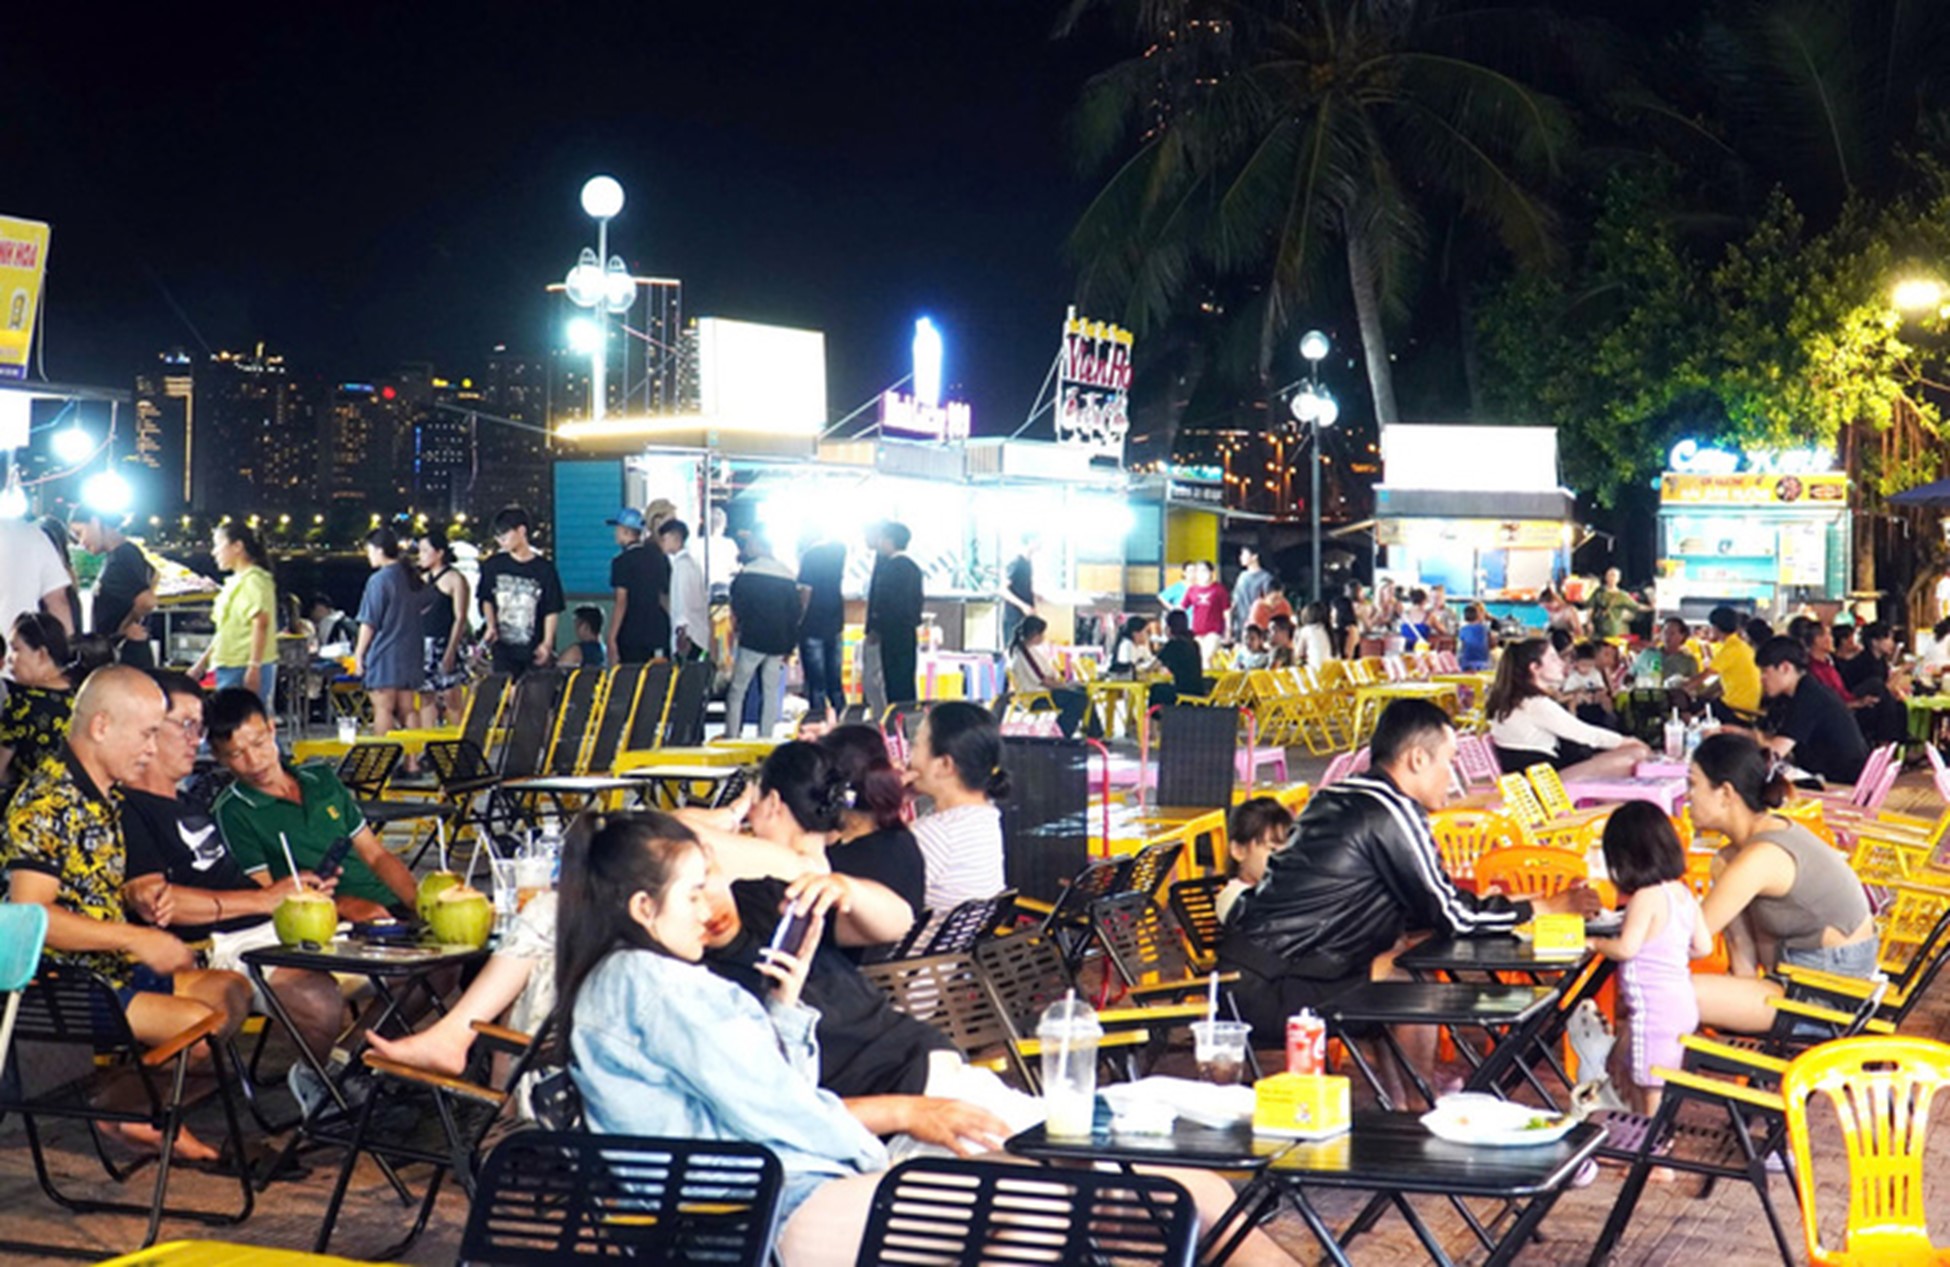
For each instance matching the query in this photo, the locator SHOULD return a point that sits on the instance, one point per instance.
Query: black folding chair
(484, 705)
(626, 685)
(456, 1119)
(1025, 972)
(115, 1079)
(575, 711)
(684, 720)
(947, 1210)
(1151, 865)
(1068, 921)
(550, 1197)
(1197, 757)
(652, 707)
(1196, 904)
(946, 992)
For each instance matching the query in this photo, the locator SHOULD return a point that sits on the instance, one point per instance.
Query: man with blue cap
(639, 628)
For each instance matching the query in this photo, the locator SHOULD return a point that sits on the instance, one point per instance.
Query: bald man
(64, 850)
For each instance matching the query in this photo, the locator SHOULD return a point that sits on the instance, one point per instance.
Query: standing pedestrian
(690, 600)
(765, 625)
(521, 596)
(639, 627)
(1253, 583)
(1018, 591)
(822, 567)
(125, 592)
(894, 613)
(1206, 602)
(58, 536)
(444, 626)
(244, 615)
(33, 579)
(390, 656)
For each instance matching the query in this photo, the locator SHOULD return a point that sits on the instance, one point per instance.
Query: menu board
(1803, 554)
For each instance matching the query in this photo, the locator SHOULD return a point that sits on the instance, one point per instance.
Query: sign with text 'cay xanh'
(23, 262)
(1093, 386)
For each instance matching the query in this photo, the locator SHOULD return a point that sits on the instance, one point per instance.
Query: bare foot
(147, 1140)
(432, 1049)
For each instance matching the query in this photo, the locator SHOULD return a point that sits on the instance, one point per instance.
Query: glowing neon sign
(924, 413)
(1094, 385)
(1690, 457)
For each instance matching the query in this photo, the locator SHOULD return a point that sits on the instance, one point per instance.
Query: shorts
(1266, 1003)
(437, 680)
(144, 980)
(1858, 959)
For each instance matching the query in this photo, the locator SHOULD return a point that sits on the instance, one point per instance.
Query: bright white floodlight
(1314, 345)
(107, 492)
(602, 197)
(585, 336)
(72, 445)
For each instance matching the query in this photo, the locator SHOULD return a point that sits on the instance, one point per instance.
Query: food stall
(1477, 510)
(1766, 532)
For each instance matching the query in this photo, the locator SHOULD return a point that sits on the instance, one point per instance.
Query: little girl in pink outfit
(1662, 934)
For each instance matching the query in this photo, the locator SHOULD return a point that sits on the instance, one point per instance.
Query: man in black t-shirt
(1809, 724)
(521, 596)
(765, 625)
(894, 604)
(179, 873)
(639, 628)
(822, 568)
(1018, 592)
(125, 593)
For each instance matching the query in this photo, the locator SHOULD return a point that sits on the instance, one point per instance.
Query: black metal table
(1511, 1015)
(1582, 974)
(1389, 1154)
(395, 972)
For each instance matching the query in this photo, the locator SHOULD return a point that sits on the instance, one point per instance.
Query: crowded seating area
(1354, 959)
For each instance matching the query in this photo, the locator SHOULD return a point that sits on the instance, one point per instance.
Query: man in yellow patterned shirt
(63, 850)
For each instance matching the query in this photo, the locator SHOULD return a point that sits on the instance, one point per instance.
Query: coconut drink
(432, 885)
(461, 916)
(306, 916)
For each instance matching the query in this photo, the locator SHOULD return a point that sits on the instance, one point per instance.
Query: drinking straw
(291, 862)
(1212, 999)
(1063, 1053)
(473, 858)
(440, 833)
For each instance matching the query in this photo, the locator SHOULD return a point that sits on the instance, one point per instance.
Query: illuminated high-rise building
(157, 463)
(511, 441)
(252, 434)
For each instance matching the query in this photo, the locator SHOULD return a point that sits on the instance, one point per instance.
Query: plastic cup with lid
(1070, 1034)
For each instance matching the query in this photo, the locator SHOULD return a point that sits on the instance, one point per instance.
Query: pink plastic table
(1665, 793)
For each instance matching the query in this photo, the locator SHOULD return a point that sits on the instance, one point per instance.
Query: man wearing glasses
(181, 877)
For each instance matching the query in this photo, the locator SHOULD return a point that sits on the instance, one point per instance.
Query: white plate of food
(1485, 1121)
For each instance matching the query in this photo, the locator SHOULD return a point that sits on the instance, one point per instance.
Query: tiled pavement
(1673, 1225)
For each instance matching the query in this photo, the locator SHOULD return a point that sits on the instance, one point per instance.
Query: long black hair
(1513, 685)
(387, 542)
(809, 782)
(859, 753)
(44, 633)
(1029, 628)
(1738, 762)
(242, 535)
(606, 861)
(967, 735)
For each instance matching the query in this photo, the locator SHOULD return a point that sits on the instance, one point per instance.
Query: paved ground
(1673, 1225)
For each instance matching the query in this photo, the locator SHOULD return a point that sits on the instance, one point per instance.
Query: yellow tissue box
(1301, 1105)
(1558, 935)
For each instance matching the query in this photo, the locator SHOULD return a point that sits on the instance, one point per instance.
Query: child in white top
(1257, 829)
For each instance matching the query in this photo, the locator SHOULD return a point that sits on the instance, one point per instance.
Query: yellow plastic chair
(1528, 871)
(224, 1254)
(1881, 1090)
(1463, 836)
(1520, 800)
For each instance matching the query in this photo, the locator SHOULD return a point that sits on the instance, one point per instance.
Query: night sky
(365, 185)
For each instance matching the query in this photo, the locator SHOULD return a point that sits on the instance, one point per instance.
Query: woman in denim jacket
(662, 1046)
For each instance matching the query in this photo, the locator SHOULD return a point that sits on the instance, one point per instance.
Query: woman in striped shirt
(956, 762)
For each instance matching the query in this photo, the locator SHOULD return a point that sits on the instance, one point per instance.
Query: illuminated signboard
(1093, 387)
(23, 261)
(1690, 457)
(1753, 488)
(923, 412)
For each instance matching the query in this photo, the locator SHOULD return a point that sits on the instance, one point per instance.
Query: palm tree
(1273, 148)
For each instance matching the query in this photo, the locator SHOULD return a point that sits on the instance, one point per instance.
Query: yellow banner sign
(23, 262)
(1754, 488)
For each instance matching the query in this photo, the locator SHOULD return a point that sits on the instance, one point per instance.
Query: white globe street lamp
(1313, 405)
(107, 492)
(73, 445)
(601, 283)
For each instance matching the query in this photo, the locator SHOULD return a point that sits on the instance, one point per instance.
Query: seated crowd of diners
(1817, 696)
(654, 953)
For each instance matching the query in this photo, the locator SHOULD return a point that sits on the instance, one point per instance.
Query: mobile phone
(328, 866)
(790, 935)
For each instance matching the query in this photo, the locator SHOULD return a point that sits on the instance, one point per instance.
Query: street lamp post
(1313, 405)
(601, 283)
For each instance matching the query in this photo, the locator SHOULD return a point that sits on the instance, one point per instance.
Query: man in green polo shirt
(306, 805)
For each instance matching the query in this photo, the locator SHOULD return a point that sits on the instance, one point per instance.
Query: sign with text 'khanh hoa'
(23, 263)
